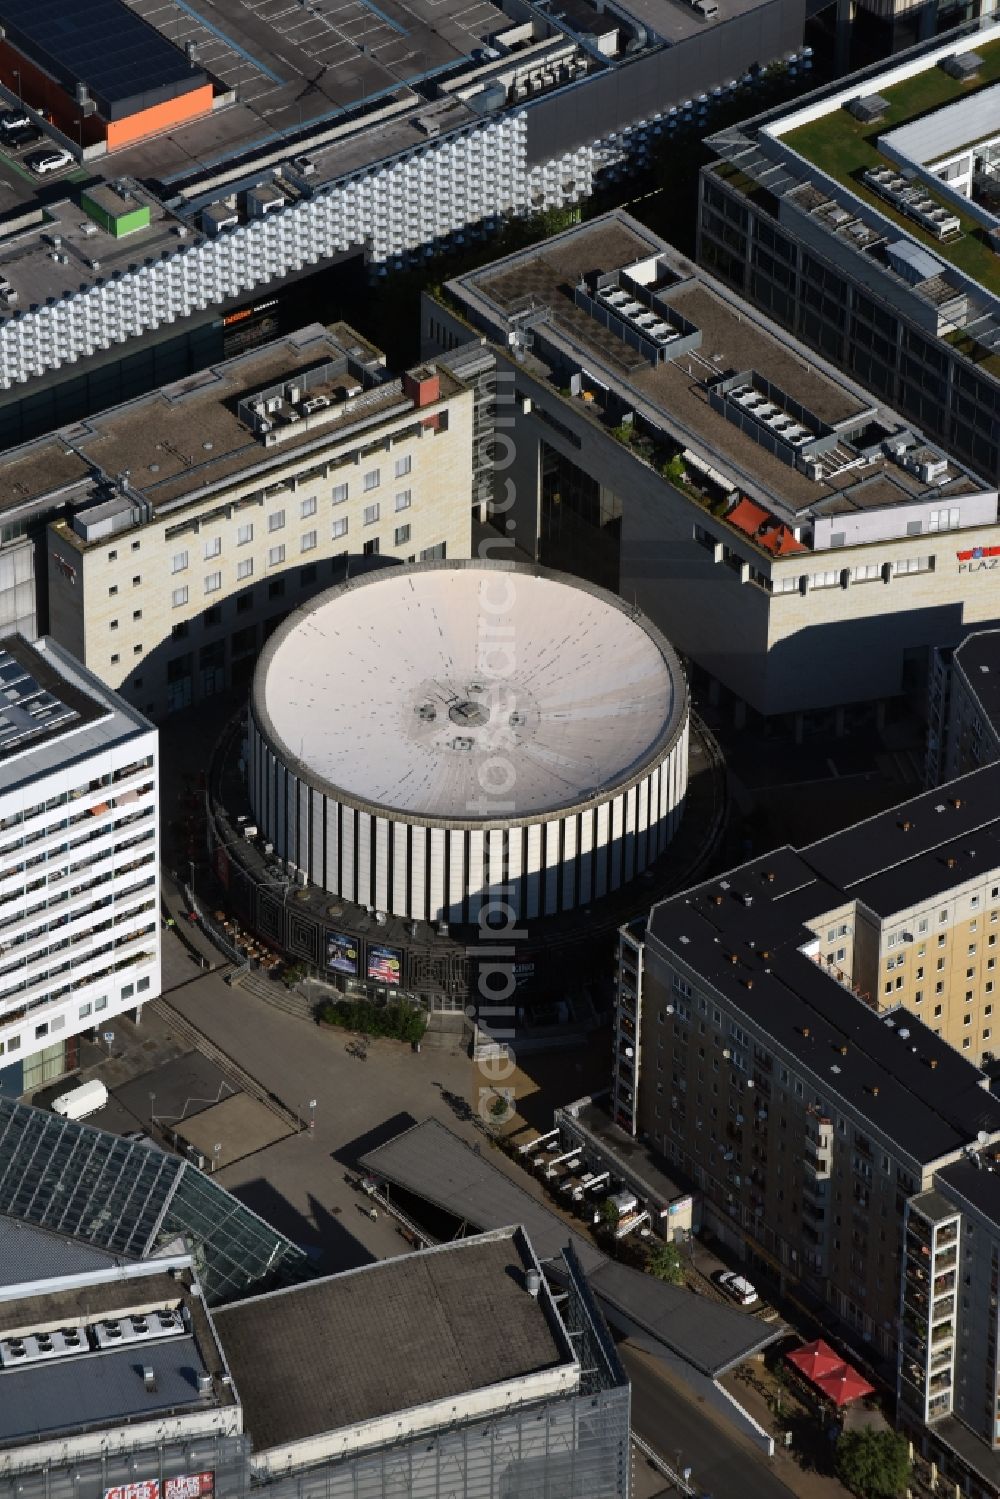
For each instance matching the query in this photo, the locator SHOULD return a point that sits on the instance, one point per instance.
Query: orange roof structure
(764, 528)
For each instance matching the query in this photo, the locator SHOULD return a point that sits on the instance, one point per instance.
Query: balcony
(944, 1332)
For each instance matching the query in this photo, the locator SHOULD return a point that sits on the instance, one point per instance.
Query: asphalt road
(721, 1463)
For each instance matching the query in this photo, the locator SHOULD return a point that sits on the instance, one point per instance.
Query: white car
(738, 1287)
(43, 162)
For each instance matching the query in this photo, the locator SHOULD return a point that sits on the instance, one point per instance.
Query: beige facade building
(196, 517)
(793, 536)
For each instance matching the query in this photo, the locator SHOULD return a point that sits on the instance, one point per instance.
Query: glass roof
(131, 1198)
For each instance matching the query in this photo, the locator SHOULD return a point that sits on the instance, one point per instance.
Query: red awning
(829, 1373)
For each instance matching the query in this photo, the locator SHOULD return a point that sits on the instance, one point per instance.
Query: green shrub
(400, 1021)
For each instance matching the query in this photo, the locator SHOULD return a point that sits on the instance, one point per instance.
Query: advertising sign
(384, 964)
(341, 952)
(185, 1486)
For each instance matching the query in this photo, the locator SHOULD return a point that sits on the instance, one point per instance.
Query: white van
(81, 1101)
(738, 1287)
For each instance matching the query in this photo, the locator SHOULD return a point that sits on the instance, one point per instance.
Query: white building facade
(79, 861)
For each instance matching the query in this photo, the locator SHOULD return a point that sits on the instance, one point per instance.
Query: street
(686, 1436)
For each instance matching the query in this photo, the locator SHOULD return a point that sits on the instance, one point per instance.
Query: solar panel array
(102, 43)
(131, 1198)
(26, 709)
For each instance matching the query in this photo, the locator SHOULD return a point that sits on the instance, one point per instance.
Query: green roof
(844, 147)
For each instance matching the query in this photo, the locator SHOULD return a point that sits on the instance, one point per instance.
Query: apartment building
(79, 860)
(777, 521)
(190, 521)
(865, 218)
(805, 1038)
(963, 718)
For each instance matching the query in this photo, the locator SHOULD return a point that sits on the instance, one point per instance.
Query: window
(112, 590)
(966, 1042)
(137, 614)
(244, 601)
(142, 986)
(212, 616)
(213, 582)
(373, 479)
(307, 575)
(135, 546)
(339, 527)
(944, 520)
(338, 494)
(403, 499)
(112, 556)
(402, 535)
(276, 556)
(404, 465)
(434, 554)
(276, 522)
(966, 1019)
(937, 1011)
(371, 514)
(370, 548)
(178, 562)
(115, 659)
(276, 588)
(137, 650)
(308, 541)
(308, 507)
(918, 998)
(244, 568)
(213, 547)
(85, 1010)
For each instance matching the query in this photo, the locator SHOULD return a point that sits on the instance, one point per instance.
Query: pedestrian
(373, 1215)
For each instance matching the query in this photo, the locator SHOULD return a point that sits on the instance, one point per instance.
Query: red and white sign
(186, 1486)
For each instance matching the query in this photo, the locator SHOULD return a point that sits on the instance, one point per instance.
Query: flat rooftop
(37, 703)
(294, 70)
(185, 438)
(437, 1167)
(843, 147)
(890, 1067)
(104, 44)
(400, 1333)
(978, 1184)
(600, 694)
(537, 289)
(979, 657)
(98, 1382)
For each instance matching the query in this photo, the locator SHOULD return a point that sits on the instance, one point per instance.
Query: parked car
(44, 162)
(738, 1287)
(24, 135)
(14, 119)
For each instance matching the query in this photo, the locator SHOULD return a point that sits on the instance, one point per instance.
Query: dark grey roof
(978, 1185)
(710, 1336)
(100, 1390)
(390, 1336)
(431, 1162)
(435, 1165)
(31, 1254)
(38, 702)
(128, 1197)
(885, 842)
(891, 1068)
(104, 44)
(979, 657)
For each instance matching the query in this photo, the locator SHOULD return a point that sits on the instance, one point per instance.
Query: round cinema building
(427, 740)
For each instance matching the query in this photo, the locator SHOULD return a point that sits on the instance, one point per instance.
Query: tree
(609, 1214)
(665, 1263)
(874, 1464)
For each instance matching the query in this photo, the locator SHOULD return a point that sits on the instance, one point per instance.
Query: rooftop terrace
(702, 370)
(844, 147)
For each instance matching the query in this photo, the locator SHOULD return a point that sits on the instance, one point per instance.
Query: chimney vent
(957, 803)
(532, 1282)
(934, 1061)
(149, 1378)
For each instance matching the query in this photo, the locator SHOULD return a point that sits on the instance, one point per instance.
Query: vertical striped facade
(447, 871)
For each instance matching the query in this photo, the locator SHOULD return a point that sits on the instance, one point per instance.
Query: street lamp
(17, 74)
(152, 1116)
(312, 1115)
(216, 1152)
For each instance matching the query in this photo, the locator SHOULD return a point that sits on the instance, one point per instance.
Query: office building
(112, 1377)
(79, 860)
(963, 719)
(467, 1365)
(865, 219)
(775, 519)
(381, 136)
(401, 800)
(188, 522)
